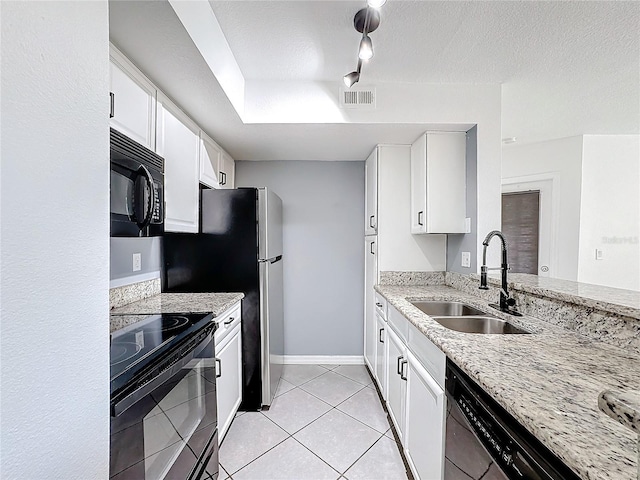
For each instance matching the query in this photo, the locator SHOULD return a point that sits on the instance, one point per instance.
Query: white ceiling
(567, 68)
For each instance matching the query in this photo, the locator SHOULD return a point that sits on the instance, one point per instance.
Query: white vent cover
(360, 98)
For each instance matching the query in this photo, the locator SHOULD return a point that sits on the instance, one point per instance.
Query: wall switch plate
(598, 254)
(467, 225)
(466, 259)
(137, 262)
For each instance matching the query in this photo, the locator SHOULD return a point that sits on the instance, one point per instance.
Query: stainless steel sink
(447, 309)
(478, 324)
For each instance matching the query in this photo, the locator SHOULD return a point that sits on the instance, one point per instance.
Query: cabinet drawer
(227, 321)
(399, 324)
(381, 305)
(430, 357)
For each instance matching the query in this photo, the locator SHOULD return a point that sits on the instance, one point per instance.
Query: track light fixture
(365, 21)
(365, 52)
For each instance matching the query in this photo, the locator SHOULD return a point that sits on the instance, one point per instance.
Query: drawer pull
(218, 368)
(380, 335)
(378, 304)
(230, 321)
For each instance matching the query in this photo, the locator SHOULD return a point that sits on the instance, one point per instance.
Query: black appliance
(163, 398)
(137, 189)
(484, 441)
(239, 249)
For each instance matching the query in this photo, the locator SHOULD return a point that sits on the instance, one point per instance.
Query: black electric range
(163, 380)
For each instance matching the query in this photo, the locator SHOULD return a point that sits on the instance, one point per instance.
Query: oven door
(171, 431)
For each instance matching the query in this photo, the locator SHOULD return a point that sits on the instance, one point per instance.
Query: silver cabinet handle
(380, 335)
(371, 221)
(420, 218)
(371, 248)
(218, 368)
(230, 321)
(112, 105)
(378, 304)
(403, 376)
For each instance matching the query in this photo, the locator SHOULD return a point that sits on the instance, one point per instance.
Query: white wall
(561, 160)
(610, 211)
(55, 240)
(323, 211)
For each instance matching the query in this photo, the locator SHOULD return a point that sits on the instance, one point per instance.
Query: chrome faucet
(507, 304)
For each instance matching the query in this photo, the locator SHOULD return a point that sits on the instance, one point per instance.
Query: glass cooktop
(140, 344)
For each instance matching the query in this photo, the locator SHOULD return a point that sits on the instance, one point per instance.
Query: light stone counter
(215, 303)
(623, 406)
(549, 381)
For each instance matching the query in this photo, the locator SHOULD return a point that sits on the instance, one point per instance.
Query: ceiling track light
(365, 21)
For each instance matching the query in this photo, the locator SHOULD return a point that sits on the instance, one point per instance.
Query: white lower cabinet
(370, 279)
(396, 381)
(228, 369)
(416, 402)
(424, 433)
(381, 355)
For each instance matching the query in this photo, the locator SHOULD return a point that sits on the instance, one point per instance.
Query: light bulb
(376, 3)
(365, 52)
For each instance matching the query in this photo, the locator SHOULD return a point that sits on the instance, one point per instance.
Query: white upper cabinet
(227, 171)
(210, 154)
(133, 101)
(178, 143)
(438, 183)
(371, 194)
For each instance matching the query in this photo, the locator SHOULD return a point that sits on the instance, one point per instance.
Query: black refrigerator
(238, 249)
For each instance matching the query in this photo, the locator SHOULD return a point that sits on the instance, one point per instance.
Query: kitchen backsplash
(120, 296)
(583, 315)
(596, 316)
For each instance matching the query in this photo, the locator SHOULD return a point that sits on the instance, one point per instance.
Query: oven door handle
(145, 389)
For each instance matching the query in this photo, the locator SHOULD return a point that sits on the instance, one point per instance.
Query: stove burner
(123, 351)
(171, 323)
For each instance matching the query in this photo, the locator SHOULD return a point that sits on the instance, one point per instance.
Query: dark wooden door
(520, 226)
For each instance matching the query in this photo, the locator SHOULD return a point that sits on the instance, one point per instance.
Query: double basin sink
(465, 318)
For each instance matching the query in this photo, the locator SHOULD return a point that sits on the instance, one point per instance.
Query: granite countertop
(549, 381)
(215, 303)
(623, 406)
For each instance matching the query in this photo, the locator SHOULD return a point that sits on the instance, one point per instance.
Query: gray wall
(456, 244)
(323, 208)
(121, 259)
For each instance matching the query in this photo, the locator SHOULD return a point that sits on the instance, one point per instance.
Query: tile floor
(326, 422)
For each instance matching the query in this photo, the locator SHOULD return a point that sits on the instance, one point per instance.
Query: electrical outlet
(137, 262)
(467, 225)
(598, 254)
(466, 259)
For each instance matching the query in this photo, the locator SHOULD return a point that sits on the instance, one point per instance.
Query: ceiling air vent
(360, 98)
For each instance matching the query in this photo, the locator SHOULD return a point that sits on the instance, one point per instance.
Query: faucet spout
(506, 302)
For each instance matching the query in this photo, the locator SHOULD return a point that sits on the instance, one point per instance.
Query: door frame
(546, 183)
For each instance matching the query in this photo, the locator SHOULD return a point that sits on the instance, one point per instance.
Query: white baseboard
(323, 360)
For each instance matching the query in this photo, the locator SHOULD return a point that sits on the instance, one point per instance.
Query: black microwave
(137, 189)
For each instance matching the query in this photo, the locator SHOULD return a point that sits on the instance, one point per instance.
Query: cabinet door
(227, 171)
(396, 380)
(446, 182)
(425, 423)
(381, 355)
(229, 380)
(178, 144)
(209, 162)
(419, 185)
(371, 194)
(134, 101)
(370, 279)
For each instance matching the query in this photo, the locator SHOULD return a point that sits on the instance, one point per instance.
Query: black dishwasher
(484, 441)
